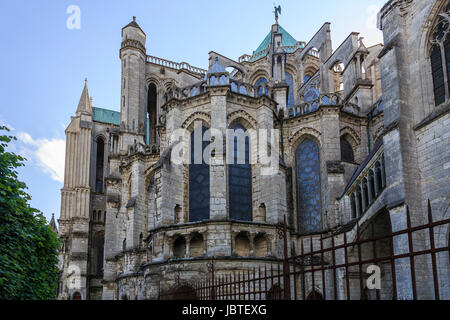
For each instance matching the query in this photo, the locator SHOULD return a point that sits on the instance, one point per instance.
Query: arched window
(290, 82)
(309, 200)
(347, 154)
(306, 78)
(179, 247)
(240, 176)
(440, 59)
(353, 205)
(378, 177)
(199, 178)
(365, 195)
(99, 165)
(261, 86)
(314, 295)
(76, 296)
(151, 114)
(372, 194)
(359, 205)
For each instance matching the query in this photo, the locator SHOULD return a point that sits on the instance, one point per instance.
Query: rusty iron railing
(277, 281)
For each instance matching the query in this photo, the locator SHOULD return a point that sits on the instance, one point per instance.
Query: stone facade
(356, 134)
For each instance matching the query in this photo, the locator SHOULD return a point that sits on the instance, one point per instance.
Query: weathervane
(277, 11)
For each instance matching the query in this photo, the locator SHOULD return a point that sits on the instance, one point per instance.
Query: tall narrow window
(99, 165)
(261, 87)
(151, 114)
(309, 200)
(440, 59)
(198, 179)
(290, 82)
(347, 154)
(240, 176)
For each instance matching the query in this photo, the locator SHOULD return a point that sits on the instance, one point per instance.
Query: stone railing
(221, 79)
(287, 49)
(295, 47)
(313, 105)
(175, 65)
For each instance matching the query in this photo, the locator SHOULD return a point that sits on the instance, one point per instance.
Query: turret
(134, 92)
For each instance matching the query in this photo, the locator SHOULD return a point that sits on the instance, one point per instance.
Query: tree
(28, 246)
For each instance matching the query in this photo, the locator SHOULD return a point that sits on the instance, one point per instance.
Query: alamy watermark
(374, 280)
(73, 22)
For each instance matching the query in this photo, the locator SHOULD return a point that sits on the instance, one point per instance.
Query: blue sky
(44, 63)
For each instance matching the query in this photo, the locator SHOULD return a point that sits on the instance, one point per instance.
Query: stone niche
(242, 245)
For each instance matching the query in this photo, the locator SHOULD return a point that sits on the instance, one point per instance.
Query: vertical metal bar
(394, 276)
(254, 284)
(230, 288)
(294, 258)
(265, 281)
(358, 242)
(433, 253)
(248, 284)
(411, 252)
(323, 269)
(374, 248)
(333, 253)
(259, 282)
(347, 282)
(311, 246)
(302, 269)
(239, 285)
(286, 280)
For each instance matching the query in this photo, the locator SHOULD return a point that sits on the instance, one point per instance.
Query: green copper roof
(106, 116)
(286, 41)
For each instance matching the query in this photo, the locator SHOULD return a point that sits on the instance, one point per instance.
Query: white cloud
(48, 154)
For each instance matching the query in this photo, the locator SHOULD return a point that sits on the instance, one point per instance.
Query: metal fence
(320, 268)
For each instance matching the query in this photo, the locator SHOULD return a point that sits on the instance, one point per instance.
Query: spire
(85, 106)
(53, 224)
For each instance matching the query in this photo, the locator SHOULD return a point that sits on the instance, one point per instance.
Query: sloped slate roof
(216, 67)
(286, 41)
(106, 116)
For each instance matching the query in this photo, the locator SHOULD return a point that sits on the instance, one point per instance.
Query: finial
(85, 80)
(134, 19)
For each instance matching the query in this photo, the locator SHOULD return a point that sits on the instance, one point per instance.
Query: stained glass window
(240, 177)
(440, 52)
(309, 203)
(198, 183)
(290, 82)
(260, 88)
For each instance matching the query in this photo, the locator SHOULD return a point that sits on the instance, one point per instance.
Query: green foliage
(28, 246)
